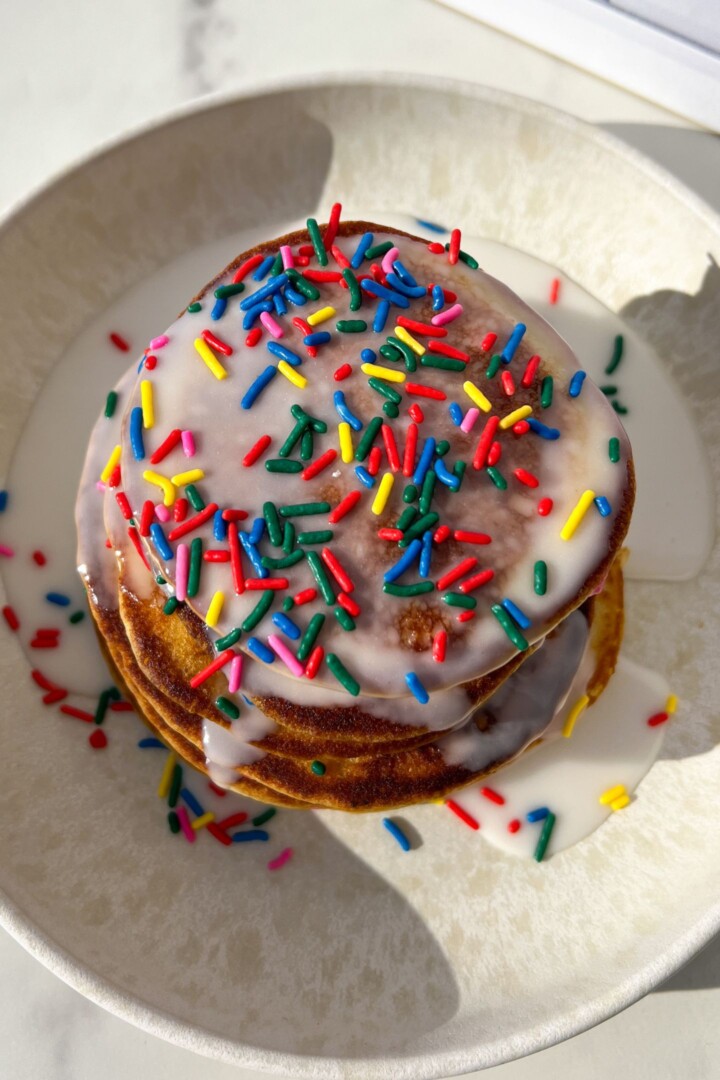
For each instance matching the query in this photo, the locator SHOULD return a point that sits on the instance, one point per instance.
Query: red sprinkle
(421, 390)
(10, 617)
(526, 478)
(150, 363)
(332, 226)
(40, 680)
(410, 449)
(466, 537)
(230, 514)
(166, 446)
(218, 790)
(339, 257)
(487, 342)
(454, 249)
(119, 342)
(180, 510)
(314, 662)
(121, 706)
(530, 371)
(390, 534)
(193, 523)
(441, 349)
(216, 556)
(342, 372)
(544, 507)
(439, 646)
(218, 663)
(114, 478)
(494, 453)
(390, 447)
(125, 508)
(305, 596)
(216, 343)
(457, 572)
(245, 267)
(238, 576)
(253, 337)
(54, 696)
(508, 383)
(476, 581)
(374, 460)
(521, 428)
(448, 295)
(254, 453)
(462, 814)
(234, 819)
(344, 507)
(441, 533)
(305, 329)
(554, 290)
(514, 825)
(275, 583)
(317, 466)
(424, 329)
(466, 616)
(485, 441)
(98, 739)
(415, 413)
(218, 833)
(435, 248)
(78, 714)
(323, 276)
(39, 558)
(657, 719)
(348, 604)
(492, 795)
(337, 570)
(135, 539)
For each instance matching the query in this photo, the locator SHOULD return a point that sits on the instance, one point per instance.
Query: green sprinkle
(497, 478)
(459, 470)
(293, 438)
(306, 445)
(318, 572)
(467, 259)
(283, 465)
(342, 674)
(445, 363)
(540, 577)
(282, 564)
(406, 518)
(620, 409)
(113, 694)
(224, 291)
(617, 355)
(410, 493)
(391, 353)
(194, 497)
(378, 250)
(318, 768)
(350, 326)
(408, 355)
(317, 241)
(110, 403)
(609, 391)
(196, 550)
(546, 392)
(277, 266)
(175, 785)
(353, 289)
(442, 448)
(173, 822)
(304, 287)
(299, 413)
(76, 617)
(307, 641)
(259, 611)
(428, 490)
(170, 605)
(391, 410)
(288, 537)
(344, 618)
(383, 388)
(317, 536)
(614, 450)
(229, 640)
(160, 580)
(194, 308)
(228, 707)
(288, 604)
(265, 816)
(509, 627)
(457, 599)
(548, 825)
(272, 521)
(368, 438)
(418, 589)
(493, 367)
(304, 509)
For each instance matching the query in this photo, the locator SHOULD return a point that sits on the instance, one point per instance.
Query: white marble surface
(74, 76)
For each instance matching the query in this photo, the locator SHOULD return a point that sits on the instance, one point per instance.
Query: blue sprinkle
(431, 225)
(368, 356)
(254, 391)
(141, 365)
(344, 412)
(426, 554)
(282, 353)
(219, 526)
(3, 501)
(257, 531)
(191, 801)
(260, 649)
(150, 743)
(364, 476)
(517, 614)
(381, 313)
(404, 562)
(253, 555)
(428, 452)
(136, 435)
(272, 286)
(413, 291)
(252, 316)
(294, 297)
(382, 293)
(218, 308)
(576, 383)
(438, 298)
(456, 413)
(279, 304)
(445, 476)
(542, 430)
(321, 337)
(248, 702)
(250, 834)
(264, 268)
(603, 506)
(58, 598)
(286, 625)
(160, 541)
(396, 832)
(416, 688)
(513, 342)
(364, 243)
(404, 274)
(538, 815)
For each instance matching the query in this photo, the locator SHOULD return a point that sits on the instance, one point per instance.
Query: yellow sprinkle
(414, 344)
(112, 461)
(164, 785)
(620, 803)
(476, 396)
(166, 486)
(320, 316)
(189, 477)
(210, 358)
(292, 375)
(580, 705)
(581, 508)
(380, 372)
(611, 794)
(214, 610)
(671, 704)
(204, 819)
(146, 400)
(346, 443)
(513, 417)
(383, 493)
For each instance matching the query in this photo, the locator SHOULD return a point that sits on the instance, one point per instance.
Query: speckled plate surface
(355, 962)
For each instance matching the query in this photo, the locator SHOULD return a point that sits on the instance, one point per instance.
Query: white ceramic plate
(354, 961)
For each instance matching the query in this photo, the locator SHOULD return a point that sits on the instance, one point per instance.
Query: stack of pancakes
(414, 685)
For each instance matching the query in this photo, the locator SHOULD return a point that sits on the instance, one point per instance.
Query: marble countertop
(71, 78)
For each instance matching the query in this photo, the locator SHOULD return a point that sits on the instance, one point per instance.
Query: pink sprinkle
(271, 325)
(287, 257)
(188, 443)
(181, 571)
(291, 662)
(185, 825)
(280, 859)
(100, 486)
(443, 317)
(159, 342)
(162, 513)
(235, 677)
(388, 259)
(8, 552)
(469, 421)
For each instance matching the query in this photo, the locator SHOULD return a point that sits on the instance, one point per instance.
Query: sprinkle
(439, 646)
(321, 463)
(418, 589)
(469, 420)
(189, 477)
(271, 325)
(428, 452)
(291, 375)
(342, 372)
(459, 600)
(542, 430)
(166, 776)
(219, 662)
(256, 388)
(514, 825)
(517, 614)
(456, 573)
(577, 514)
(614, 450)
(303, 509)
(379, 372)
(350, 326)
(111, 464)
(476, 581)
(458, 810)
(554, 290)
(410, 449)
(119, 342)
(603, 506)
(576, 384)
(259, 649)
(313, 665)
(513, 343)
(344, 506)
(279, 860)
(409, 340)
(337, 570)
(544, 839)
(476, 396)
(611, 794)
(671, 704)
(165, 447)
(404, 562)
(447, 316)
(530, 371)
(617, 355)
(286, 625)
(342, 675)
(190, 524)
(453, 248)
(214, 610)
(416, 688)
(509, 627)
(518, 414)
(317, 242)
(658, 719)
(579, 707)
(344, 412)
(544, 507)
(290, 661)
(396, 832)
(11, 618)
(206, 354)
